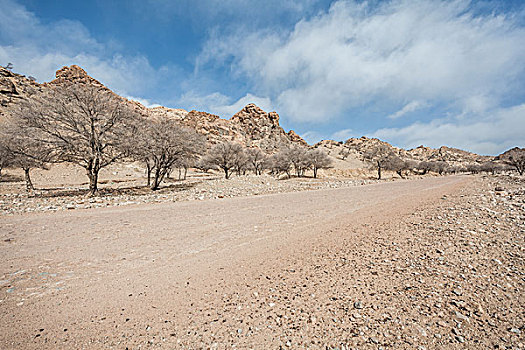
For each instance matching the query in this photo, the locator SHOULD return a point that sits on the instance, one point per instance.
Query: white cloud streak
(223, 105)
(39, 49)
(342, 135)
(408, 108)
(490, 133)
(355, 54)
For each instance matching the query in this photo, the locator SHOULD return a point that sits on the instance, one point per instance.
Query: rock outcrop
(450, 155)
(73, 74)
(14, 87)
(251, 126)
(357, 147)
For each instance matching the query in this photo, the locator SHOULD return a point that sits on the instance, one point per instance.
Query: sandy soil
(64, 187)
(434, 263)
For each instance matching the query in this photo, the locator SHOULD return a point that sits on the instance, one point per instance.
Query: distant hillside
(251, 126)
(358, 147)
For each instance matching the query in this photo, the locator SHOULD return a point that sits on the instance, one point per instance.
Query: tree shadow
(11, 178)
(114, 192)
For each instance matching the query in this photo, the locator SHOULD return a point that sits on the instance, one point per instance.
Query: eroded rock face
(73, 74)
(7, 87)
(12, 88)
(364, 144)
(358, 147)
(250, 127)
(450, 155)
(262, 129)
(294, 137)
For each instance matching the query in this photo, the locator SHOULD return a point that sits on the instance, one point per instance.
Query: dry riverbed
(435, 263)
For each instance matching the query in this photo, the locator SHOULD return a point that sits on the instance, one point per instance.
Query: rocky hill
(357, 147)
(14, 87)
(251, 126)
(447, 154)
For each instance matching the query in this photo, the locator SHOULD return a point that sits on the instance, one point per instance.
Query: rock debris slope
(251, 126)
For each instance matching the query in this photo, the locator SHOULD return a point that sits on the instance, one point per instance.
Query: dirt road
(172, 274)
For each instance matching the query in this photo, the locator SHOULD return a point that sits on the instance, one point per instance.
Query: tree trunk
(92, 173)
(148, 172)
(226, 173)
(93, 182)
(378, 171)
(157, 179)
(29, 184)
(315, 172)
(185, 173)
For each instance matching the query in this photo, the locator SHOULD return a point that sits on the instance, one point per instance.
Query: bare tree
(439, 167)
(225, 156)
(424, 167)
(411, 165)
(183, 165)
(80, 124)
(280, 163)
(22, 151)
(204, 164)
(379, 156)
(162, 145)
(6, 158)
(515, 157)
(298, 157)
(257, 160)
(241, 162)
(473, 168)
(318, 160)
(488, 167)
(394, 163)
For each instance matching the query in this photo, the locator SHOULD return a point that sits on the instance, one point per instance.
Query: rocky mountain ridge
(358, 147)
(250, 127)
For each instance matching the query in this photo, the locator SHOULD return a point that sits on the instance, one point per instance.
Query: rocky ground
(425, 264)
(450, 275)
(126, 188)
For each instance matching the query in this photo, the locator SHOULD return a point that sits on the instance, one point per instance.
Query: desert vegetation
(83, 123)
(163, 144)
(80, 124)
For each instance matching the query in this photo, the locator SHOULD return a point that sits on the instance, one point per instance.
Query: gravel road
(328, 268)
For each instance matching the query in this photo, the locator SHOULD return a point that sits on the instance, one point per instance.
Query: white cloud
(39, 49)
(249, 11)
(222, 105)
(143, 101)
(490, 133)
(263, 102)
(342, 135)
(358, 53)
(192, 100)
(312, 137)
(408, 108)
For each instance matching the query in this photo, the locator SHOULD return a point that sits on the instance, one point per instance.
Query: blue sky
(410, 72)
